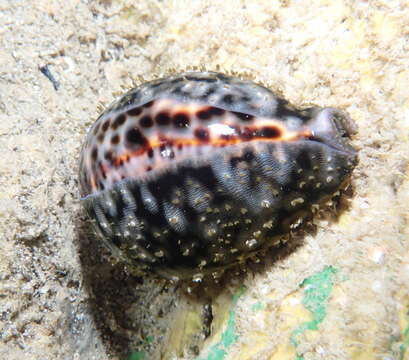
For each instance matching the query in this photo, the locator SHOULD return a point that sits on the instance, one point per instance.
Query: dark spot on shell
(120, 120)
(247, 157)
(217, 111)
(115, 139)
(94, 153)
(204, 114)
(108, 155)
(229, 99)
(148, 168)
(202, 134)
(181, 120)
(235, 160)
(162, 118)
(245, 99)
(135, 137)
(100, 138)
(270, 132)
(150, 152)
(102, 171)
(248, 154)
(135, 111)
(146, 121)
(105, 126)
(211, 90)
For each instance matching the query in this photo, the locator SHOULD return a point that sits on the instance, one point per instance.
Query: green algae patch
(258, 306)
(140, 355)
(136, 355)
(317, 289)
(149, 339)
(405, 343)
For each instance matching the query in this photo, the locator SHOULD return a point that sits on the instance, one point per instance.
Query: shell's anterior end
(196, 172)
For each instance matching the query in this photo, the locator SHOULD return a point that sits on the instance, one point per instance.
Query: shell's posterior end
(334, 128)
(345, 126)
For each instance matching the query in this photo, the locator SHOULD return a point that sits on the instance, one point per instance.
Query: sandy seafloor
(342, 294)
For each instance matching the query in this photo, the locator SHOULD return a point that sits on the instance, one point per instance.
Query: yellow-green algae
(317, 289)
